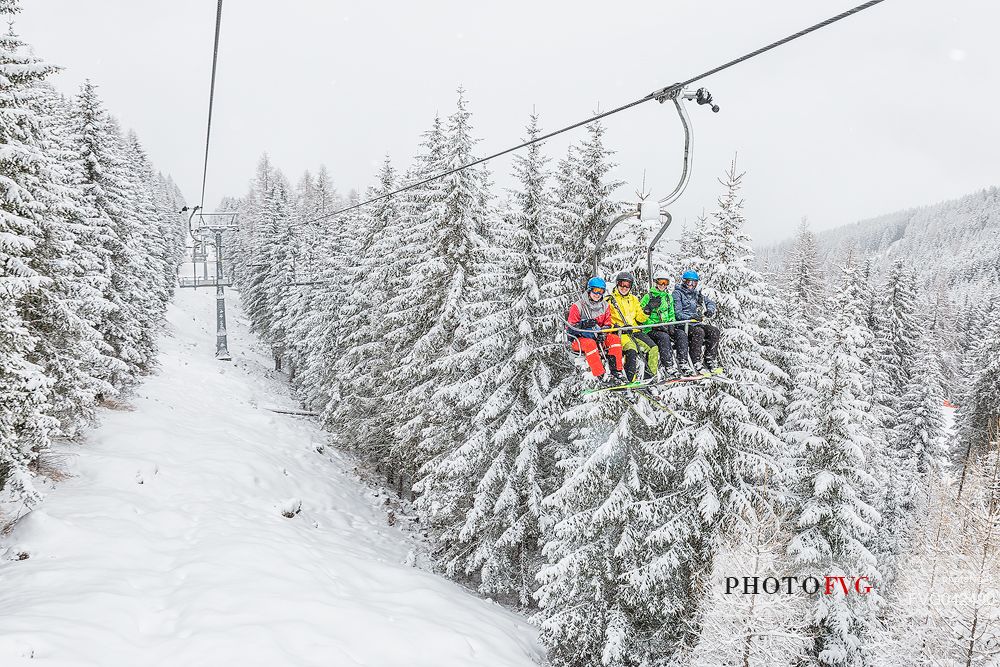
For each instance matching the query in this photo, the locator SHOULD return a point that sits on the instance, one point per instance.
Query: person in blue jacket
(692, 339)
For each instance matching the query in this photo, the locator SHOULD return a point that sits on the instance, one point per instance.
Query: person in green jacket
(658, 303)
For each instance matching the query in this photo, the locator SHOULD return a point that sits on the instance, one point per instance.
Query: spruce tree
(727, 455)
(104, 181)
(484, 499)
(315, 327)
(802, 270)
(920, 434)
(585, 205)
(363, 362)
(24, 389)
(401, 333)
(979, 414)
(443, 253)
(266, 246)
(595, 609)
(834, 438)
(148, 253)
(899, 396)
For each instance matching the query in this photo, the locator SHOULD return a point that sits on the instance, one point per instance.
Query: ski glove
(653, 304)
(588, 324)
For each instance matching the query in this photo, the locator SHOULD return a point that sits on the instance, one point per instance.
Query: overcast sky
(891, 108)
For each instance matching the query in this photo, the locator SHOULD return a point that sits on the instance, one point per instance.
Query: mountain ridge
(951, 244)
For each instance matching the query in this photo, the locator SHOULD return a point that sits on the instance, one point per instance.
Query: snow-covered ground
(167, 544)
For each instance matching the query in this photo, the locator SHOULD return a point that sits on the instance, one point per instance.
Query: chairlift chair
(656, 211)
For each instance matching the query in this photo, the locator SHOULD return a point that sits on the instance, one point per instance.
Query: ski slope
(167, 545)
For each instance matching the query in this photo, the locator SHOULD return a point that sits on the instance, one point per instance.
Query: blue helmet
(598, 283)
(690, 275)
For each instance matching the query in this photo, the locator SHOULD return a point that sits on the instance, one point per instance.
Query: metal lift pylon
(209, 232)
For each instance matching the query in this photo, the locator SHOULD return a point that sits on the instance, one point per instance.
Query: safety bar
(637, 326)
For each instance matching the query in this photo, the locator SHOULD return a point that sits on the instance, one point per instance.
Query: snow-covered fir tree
(24, 426)
(834, 440)
(400, 332)
(802, 270)
(105, 182)
(902, 399)
(919, 436)
(727, 457)
(316, 329)
(898, 328)
(443, 254)
(485, 497)
(455, 350)
(585, 205)
(979, 413)
(267, 249)
(594, 609)
(365, 362)
(78, 313)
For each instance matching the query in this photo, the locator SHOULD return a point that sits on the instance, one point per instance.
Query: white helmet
(660, 273)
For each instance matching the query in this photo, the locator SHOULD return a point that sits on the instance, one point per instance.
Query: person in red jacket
(587, 315)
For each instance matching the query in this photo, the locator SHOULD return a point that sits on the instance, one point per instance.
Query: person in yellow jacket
(626, 311)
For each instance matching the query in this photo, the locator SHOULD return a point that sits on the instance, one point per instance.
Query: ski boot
(713, 366)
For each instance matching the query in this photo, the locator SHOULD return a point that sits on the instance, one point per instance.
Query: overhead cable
(660, 94)
(211, 102)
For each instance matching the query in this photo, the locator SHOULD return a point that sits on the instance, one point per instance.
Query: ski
(648, 395)
(642, 384)
(717, 376)
(621, 387)
(680, 380)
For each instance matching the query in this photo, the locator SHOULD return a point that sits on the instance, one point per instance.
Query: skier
(589, 313)
(626, 312)
(688, 302)
(658, 304)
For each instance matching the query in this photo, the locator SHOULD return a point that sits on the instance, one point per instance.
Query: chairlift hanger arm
(701, 96)
(604, 237)
(194, 211)
(678, 96)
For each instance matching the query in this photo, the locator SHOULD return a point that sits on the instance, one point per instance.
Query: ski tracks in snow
(203, 529)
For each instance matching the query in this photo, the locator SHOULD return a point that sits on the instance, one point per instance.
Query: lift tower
(209, 232)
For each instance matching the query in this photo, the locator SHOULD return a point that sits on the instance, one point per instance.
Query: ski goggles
(597, 290)
(690, 284)
(662, 282)
(625, 283)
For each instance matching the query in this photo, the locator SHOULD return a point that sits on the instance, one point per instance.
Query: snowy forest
(426, 330)
(951, 246)
(89, 245)
(951, 251)
(856, 439)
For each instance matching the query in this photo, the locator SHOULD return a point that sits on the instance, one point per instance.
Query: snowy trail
(166, 546)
